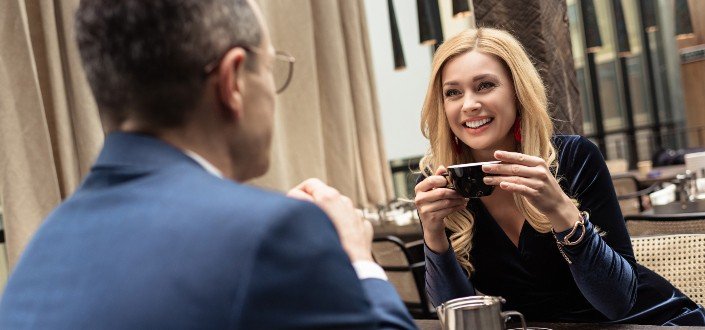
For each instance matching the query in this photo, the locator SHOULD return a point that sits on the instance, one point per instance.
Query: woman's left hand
(531, 177)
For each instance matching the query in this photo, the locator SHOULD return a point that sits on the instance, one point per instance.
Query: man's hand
(354, 232)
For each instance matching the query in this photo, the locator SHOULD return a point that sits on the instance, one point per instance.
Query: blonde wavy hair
(536, 124)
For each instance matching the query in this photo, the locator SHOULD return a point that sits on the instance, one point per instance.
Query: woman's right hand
(434, 202)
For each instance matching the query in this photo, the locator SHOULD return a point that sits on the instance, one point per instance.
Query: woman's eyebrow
(484, 76)
(451, 83)
(476, 78)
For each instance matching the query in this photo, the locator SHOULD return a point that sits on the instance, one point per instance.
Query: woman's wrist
(564, 217)
(436, 241)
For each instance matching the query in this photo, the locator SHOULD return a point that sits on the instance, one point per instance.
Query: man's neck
(204, 163)
(209, 144)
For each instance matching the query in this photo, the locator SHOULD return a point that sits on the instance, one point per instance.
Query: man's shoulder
(186, 199)
(224, 196)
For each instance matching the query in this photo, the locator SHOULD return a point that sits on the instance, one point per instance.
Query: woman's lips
(480, 129)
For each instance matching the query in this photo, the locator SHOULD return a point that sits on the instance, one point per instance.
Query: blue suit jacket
(151, 240)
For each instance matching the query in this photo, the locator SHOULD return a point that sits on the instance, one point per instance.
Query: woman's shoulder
(572, 146)
(577, 156)
(572, 141)
(581, 167)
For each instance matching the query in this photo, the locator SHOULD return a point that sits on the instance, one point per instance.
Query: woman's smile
(477, 126)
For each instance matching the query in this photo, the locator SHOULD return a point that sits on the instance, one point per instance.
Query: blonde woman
(534, 240)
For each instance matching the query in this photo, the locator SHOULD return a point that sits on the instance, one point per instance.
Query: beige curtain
(326, 126)
(327, 121)
(49, 127)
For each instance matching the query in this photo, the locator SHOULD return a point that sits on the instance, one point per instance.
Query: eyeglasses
(282, 70)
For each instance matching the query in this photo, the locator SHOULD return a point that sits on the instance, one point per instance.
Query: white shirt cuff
(368, 269)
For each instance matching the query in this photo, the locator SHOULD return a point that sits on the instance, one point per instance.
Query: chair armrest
(639, 193)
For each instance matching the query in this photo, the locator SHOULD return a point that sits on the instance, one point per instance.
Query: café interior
(629, 75)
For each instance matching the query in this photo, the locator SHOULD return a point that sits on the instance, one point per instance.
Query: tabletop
(658, 174)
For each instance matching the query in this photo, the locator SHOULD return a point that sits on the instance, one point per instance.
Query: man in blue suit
(161, 235)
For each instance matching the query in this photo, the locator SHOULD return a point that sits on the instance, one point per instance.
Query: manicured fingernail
(487, 168)
(487, 180)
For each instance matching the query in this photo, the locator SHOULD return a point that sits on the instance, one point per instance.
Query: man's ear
(231, 81)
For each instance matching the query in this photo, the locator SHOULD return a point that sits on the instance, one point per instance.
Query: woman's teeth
(477, 123)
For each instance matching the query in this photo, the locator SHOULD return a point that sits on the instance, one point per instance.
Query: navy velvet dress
(603, 284)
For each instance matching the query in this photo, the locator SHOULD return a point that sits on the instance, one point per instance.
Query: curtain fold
(49, 127)
(375, 167)
(327, 122)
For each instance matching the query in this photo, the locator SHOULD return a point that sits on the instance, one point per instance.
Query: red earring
(516, 129)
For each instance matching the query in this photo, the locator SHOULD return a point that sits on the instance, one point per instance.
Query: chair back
(680, 259)
(630, 197)
(405, 267)
(665, 224)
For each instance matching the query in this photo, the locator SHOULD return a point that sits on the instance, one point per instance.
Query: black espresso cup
(466, 179)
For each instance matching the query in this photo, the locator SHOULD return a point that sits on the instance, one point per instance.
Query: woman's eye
(486, 85)
(451, 93)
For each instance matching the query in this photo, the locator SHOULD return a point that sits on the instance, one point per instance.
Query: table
(407, 233)
(665, 173)
(676, 209)
(436, 325)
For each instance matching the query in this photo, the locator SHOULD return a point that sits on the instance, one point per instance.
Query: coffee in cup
(466, 179)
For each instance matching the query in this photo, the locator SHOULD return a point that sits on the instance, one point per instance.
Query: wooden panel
(693, 78)
(693, 74)
(697, 18)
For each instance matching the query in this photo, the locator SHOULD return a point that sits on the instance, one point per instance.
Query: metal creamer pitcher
(475, 312)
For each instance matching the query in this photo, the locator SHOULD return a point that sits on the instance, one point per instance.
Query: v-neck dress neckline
(487, 216)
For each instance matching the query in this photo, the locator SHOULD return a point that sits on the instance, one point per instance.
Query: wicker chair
(630, 197)
(405, 267)
(665, 224)
(678, 258)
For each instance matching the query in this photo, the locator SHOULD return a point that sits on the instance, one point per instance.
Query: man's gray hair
(145, 58)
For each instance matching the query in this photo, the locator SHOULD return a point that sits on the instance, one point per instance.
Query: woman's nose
(470, 103)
